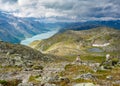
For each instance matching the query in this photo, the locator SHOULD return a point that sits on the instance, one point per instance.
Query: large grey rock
(1, 85)
(109, 77)
(84, 84)
(25, 84)
(54, 79)
(86, 76)
(64, 79)
(58, 79)
(48, 84)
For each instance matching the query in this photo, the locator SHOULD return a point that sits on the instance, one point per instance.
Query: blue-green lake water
(45, 35)
(95, 50)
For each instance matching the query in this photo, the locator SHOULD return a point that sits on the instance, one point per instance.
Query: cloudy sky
(64, 9)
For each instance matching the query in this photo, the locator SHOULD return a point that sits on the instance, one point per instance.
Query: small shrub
(33, 78)
(14, 82)
(68, 66)
(115, 61)
(37, 67)
(107, 67)
(3, 82)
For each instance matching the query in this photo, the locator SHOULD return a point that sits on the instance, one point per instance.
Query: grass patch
(14, 82)
(81, 81)
(71, 70)
(34, 79)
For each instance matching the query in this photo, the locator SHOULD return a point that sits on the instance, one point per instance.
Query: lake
(97, 50)
(41, 36)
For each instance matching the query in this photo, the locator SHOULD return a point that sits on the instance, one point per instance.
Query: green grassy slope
(72, 43)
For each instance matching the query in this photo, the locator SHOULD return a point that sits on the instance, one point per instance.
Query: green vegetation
(3, 82)
(14, 82)
(115, 61)
(37, 67)
(34, 79)
(71, 70)
(81, 81)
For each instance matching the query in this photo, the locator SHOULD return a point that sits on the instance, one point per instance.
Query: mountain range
(14, 29)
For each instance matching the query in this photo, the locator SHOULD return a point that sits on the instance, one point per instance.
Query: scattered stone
(109, 77)
(48, 84)
(86, 76)
(26, 78)
(27, 69)
(37, 67)
(107, 57)
(94, 66)
(78, 60)
(58, 79)
(117, 82)
(25, 84)
(1, 85)
(64, 79)
(102, 68)
(54, 79)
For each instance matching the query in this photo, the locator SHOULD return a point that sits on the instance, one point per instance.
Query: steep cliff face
(81, 42)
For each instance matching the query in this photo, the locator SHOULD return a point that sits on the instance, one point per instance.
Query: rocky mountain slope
(94, 42)
(23, 66)
(18, 59)
(19, 55)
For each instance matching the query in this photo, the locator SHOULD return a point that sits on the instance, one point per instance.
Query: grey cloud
(60, 5)
(66, 9)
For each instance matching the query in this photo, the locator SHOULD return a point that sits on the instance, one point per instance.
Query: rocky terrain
(16, 60)
(72, 58)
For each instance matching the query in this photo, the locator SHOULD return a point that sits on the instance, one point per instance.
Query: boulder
(109, 77)
(48, 84)
(86, 76)
(54, 79)
(1, 85)
(64, 79)
(25, 84)
(58, 79)
(84, 84)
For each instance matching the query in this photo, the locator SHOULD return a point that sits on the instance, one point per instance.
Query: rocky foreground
(76, 73)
